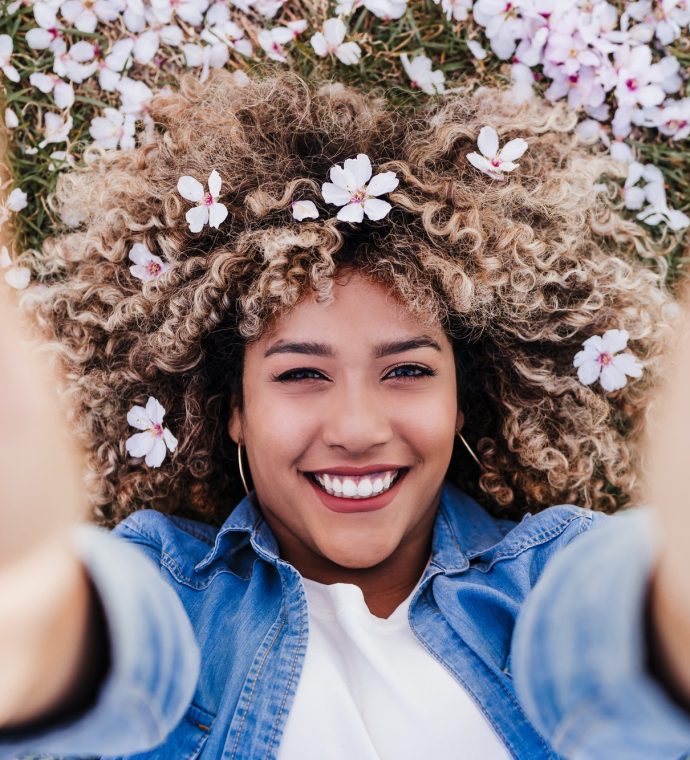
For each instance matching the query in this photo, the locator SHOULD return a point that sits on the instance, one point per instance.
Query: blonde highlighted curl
(519, 272)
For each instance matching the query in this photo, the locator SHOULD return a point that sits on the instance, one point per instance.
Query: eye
(295, 375)
(411, 372)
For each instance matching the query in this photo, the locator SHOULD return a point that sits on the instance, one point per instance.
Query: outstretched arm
(601, 650)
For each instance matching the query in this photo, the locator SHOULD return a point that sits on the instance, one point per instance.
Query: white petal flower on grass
(6, 47)
(421, 75)
(11, 119)
(17, 200)
(15, 276)
(146, 265)
(63, 92)
(272, 42)
(48, 33)
(304, 210)
(208, 210)
(493, 161)
(353, 188)
(331, 42)
(155, 440)
(602, 358)
(113, 130)
(476, 49)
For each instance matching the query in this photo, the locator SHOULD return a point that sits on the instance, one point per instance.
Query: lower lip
(339, 504)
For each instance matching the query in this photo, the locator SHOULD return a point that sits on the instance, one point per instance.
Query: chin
(358, 557)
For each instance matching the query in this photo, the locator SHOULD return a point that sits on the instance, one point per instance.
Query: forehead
(360, 309)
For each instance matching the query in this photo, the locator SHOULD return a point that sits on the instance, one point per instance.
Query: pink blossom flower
(155, 440)
(146, 265)
(208, 210)
(493, 161)
(601, 359)
(422, 76)
(353, 188)
(331, 41)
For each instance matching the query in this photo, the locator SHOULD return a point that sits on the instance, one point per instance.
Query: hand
(667, 490)
(40, 469)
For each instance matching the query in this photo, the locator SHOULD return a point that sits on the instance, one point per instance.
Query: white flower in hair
(304, 210)
(601, 359)
(147, 266)
(353, 188)
(155, 440)
(208, 210)
(493, 161)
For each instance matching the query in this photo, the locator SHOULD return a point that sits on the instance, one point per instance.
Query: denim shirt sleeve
(154, 656)
(579, 649)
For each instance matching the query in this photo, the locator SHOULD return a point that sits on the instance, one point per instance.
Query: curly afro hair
(519, 272)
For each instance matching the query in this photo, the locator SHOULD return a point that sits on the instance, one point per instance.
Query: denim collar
(462, 530)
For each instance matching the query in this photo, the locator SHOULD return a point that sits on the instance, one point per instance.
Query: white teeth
(357, 487)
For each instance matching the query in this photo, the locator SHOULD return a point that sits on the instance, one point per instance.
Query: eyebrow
(323, 349)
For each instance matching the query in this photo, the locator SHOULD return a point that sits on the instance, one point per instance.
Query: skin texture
(352, 409)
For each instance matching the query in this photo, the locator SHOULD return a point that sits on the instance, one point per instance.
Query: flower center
(157, 430)
(495, 162)
(208, 199)
(153, 268)
(631, 83)
(359, 196)
(605, 359)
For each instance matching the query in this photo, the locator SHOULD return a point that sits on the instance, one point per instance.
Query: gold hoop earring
(239, 461)
(467, 446)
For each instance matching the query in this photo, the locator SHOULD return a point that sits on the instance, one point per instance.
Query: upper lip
(340, 470)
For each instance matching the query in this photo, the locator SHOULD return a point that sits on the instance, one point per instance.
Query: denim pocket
(184, 742)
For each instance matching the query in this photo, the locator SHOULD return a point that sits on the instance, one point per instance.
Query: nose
(356, 419)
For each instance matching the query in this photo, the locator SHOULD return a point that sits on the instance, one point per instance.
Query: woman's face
(355, 386)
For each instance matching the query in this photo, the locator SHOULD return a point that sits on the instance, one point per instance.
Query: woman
(359, 363)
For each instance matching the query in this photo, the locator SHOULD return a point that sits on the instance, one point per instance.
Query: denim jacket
(208, 633)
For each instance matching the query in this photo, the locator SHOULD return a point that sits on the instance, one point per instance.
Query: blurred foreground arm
(601, 649)
(97, 654)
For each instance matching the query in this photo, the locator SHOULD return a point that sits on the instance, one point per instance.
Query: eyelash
(290, 376)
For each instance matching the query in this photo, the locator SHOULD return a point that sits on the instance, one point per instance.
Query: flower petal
(217, 213)
(170, 440)
(139, 254)
(344, 178)
(196, 218)
(353, 212)
(18, 277)
(376, 209)
(157, 453)
(318, 42)
(139, 444)
(588, 372)
(487, 142)
(138, 417)
(360, 168)
(331, 193)
(611, 378)
(190, 188)
(155, 411)
(481, 162)
(513, 149)
(385, 182)
(214, 184)
(629, 364)
(615, 340)
(304, 210)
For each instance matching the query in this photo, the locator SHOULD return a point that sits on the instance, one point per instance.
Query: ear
(235, 423)
(459, 420)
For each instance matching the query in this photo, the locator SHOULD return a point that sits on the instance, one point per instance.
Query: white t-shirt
(370, 691)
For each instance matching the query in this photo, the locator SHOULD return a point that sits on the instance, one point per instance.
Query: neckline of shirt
(329, 601)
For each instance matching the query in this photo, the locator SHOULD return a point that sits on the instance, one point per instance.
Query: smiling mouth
(359, 486)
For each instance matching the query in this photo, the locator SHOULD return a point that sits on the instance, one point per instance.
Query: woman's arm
(601, 649)
(62, 690)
